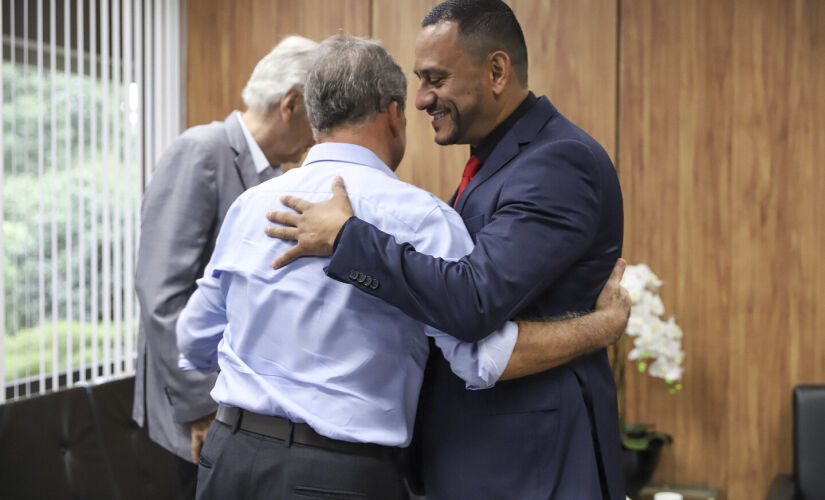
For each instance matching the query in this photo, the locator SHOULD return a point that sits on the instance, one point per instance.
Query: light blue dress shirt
(294, 343)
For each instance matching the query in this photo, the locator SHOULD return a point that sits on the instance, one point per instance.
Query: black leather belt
(291, 432)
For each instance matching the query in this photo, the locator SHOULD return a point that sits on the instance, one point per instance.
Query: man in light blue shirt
(193, 185)
(319, 383)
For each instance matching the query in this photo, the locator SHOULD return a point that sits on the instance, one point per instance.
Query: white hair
(283, 69)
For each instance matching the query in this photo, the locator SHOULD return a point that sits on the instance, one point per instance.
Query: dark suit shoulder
(560, 128)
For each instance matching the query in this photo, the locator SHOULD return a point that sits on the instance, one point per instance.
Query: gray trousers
(245, 465)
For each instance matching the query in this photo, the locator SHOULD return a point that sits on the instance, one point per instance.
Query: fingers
(296, 203)
(197, 444)
(338, 188)
(285, 218)
(288, 256)
(618, 271)
(284, 233)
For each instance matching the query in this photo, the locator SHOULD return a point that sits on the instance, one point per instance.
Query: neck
(265, 129)
(507, 103)
(372, 135)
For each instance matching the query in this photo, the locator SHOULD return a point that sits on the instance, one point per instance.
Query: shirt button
(353, 274)
(361, 277)
(374, 284)
(368, 281)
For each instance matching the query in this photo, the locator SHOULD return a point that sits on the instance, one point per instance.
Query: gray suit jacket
(183, 207)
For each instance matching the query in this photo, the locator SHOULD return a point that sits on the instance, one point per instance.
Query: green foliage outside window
(35, 205)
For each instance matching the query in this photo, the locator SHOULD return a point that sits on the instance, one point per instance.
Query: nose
(424, 98)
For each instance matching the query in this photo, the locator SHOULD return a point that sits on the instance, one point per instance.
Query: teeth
(439, 115)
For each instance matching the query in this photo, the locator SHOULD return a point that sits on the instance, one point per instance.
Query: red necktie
(469, 171)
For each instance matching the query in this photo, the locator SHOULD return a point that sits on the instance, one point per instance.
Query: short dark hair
(485, 26)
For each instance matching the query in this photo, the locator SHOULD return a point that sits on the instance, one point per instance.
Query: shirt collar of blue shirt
(346, 153)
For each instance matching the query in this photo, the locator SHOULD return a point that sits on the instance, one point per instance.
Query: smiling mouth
(439, 115)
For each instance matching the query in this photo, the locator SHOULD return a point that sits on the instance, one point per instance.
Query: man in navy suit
(541, 199)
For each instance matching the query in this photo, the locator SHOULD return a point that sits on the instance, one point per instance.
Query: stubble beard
(453, 137)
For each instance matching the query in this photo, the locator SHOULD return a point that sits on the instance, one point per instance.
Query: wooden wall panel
(225, 40)
(572, 57)
(720, 133)
(571, 48)
(427, 165)
(721, 124)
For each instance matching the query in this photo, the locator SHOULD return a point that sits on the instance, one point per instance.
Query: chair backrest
(139, 468)
(81, 443)
(51, 449)
(809, 441)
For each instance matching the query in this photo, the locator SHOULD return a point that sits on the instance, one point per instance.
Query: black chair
(808, 479)
(81, 443)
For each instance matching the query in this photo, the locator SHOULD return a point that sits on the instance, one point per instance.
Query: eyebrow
(428, 72)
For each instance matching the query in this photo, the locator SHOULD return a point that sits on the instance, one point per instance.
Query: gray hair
(284, 68)
(352, 80)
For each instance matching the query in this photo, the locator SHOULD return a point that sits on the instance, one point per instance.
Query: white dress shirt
(258, 156)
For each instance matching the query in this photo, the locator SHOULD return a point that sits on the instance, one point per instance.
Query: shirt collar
(346, 153)
(486, 147)
(258, 157)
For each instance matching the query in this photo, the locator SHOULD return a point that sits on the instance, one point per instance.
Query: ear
(290, 103)
(395, 117)
(501, 71)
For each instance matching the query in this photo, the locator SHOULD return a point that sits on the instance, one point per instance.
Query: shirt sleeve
(201, 325)
(480, 363)
(202, 322)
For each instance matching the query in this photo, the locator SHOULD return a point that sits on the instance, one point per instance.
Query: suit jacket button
(374, 284)
(368, 281)
(353, 274)
(361, 277)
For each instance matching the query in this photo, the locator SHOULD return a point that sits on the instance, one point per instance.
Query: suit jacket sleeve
(545, 219)
(178, 215)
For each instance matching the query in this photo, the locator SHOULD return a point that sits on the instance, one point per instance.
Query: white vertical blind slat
(142, 147)
(175, 90)
(12, 91)
(117, 191)
(53, 279)
(106, 276)
(26, 284)
(81, 209)
(41, 251)
(67, 205)
(149, 98)
(105, 56)
(171, 113)
(130, 164)
(157, 82)
(2, 242)
(95, 188)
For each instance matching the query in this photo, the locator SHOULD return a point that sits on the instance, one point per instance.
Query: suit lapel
(243, 158)
(524, 131)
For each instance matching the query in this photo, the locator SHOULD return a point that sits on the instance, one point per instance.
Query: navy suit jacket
(545, 212)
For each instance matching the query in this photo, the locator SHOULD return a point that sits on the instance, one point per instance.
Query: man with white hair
(195, 182)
